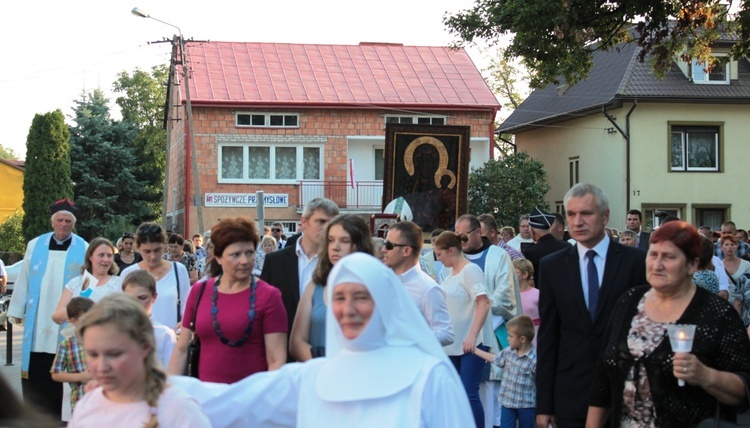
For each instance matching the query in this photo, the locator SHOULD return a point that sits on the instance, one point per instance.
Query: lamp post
(194, 162)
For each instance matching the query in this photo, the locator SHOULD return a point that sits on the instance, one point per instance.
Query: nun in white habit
(383, 367)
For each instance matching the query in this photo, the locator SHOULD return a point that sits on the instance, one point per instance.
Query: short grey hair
(524, 217)
(582, 189)
(64, 212)
(324, 204)
(627, 232)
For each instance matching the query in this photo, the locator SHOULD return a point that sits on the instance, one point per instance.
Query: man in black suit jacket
(571, 333)
(291, 268)
(540, 223)
(633, 222)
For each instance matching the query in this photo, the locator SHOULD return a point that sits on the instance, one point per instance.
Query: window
(694, 148)
(271, 120)
(719, 75)
(654, 213)
(560, 208)
(652, 217)
(573, 167)
(269, 163)
(420, 120)
(710, 215)
(379, 166)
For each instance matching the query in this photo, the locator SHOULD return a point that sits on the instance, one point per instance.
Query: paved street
(11, 373)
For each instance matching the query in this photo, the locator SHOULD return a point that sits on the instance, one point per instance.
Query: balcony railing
(364, 195)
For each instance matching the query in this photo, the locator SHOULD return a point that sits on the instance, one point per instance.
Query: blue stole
(38, 265)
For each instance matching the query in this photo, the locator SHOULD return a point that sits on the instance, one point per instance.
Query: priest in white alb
(51, 260)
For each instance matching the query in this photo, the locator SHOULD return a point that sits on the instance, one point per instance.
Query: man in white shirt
(401, 250)
(523, 239)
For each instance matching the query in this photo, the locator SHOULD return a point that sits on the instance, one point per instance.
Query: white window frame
(415, 118)
(272, 159)
(684, 141)
(702, 77)
(266, 120)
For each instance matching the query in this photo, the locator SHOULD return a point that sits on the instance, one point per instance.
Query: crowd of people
(332, 327)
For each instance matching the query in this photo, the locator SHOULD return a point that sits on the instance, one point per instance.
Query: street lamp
(194, 161)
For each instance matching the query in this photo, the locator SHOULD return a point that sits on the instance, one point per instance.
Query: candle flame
(681, 335)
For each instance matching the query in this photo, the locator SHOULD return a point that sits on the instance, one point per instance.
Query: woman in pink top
(133, 390)
(529, 294)
(240, 320)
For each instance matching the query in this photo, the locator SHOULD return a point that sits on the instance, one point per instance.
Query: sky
(55, 51)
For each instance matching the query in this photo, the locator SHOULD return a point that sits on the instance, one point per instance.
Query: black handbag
(194, 347)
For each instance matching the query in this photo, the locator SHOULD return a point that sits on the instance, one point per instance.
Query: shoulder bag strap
(179, 299)
(197, 302)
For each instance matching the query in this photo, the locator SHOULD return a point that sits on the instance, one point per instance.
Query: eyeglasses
(275, 229)
(128, 235)
(390, 245)
(149, 229)
(469, 232)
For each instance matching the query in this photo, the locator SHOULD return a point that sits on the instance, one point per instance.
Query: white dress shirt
(430, 300)
(601, 256)
(305, 265)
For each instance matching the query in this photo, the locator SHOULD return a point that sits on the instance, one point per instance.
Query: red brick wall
(336, 125)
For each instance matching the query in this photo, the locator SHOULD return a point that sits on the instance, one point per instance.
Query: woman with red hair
(636, 382)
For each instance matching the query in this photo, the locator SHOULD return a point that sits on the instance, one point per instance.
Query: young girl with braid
(133, 391)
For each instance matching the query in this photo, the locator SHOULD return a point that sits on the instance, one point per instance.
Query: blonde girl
(119, 343)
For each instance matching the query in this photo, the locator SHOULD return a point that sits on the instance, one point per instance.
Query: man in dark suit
(633, 222)
(574, 307)
(540, 223)
(291, 268)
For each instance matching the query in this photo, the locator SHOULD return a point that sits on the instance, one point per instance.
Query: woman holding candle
(636, 383)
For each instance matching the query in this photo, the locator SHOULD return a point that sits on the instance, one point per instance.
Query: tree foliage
(7, 153)
(142, 104)
(557, 38)
(508, 187)
(506, 78)
(102, 167)
(47, 171)
(11, 235)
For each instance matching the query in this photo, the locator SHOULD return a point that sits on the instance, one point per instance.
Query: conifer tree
(47, 175)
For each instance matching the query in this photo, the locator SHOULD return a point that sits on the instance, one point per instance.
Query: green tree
(102, 168)
(509, 81)
(508, 187)
(557, 38)
(11, 236)
(47, 175)
(142, 104)
(7, 153)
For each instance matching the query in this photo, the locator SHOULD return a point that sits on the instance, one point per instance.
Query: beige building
(679, 145)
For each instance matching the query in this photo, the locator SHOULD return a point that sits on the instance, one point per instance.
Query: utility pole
(191, 141)
(179, 41)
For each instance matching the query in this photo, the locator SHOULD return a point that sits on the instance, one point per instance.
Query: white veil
(404, 325)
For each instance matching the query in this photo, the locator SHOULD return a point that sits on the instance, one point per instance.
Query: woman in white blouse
(98, 277)
(172, 279)
(469, 306)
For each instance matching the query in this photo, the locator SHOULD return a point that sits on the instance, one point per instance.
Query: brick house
(292, 119)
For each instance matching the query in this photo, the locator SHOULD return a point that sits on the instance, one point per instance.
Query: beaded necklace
(215, 312)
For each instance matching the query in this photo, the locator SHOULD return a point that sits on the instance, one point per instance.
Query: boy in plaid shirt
(70, 361)
(518, 360)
